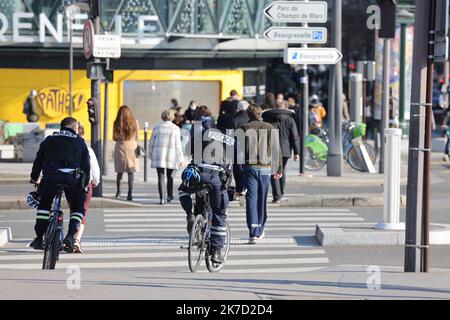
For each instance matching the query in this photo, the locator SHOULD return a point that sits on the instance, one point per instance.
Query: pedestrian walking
(446, 133)
(316, 113)
(166, 153)
(239, 120)
(269, 102)
(259, 165)
(284, 121)
(94, 180)
(126, 135)
(228, 109)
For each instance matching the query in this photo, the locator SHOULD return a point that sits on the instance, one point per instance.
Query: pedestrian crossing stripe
(158, 208)
(173, 254)
(318, 219)
(234, 214)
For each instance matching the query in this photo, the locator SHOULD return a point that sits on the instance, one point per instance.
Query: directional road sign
(312, 56)
(296, 34)
(297, 11)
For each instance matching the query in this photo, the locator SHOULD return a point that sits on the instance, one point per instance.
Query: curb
(5, 236)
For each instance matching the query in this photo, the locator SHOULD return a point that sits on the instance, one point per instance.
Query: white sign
(107, 46)
(312, 56)
(296, 35)
(297, 11)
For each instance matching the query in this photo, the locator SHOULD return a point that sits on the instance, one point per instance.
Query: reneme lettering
(19, 28)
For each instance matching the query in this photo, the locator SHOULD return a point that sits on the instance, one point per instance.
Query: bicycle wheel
(215, 267)
(311, 163)
(52, 247)
(196, 243)
(356, 162)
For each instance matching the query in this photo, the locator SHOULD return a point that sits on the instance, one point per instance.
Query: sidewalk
(315, 189)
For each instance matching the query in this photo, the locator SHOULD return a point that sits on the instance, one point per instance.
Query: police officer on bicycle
(208, 146)
(63, 159)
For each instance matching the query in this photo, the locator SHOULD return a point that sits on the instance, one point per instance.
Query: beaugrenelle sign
(21, 27)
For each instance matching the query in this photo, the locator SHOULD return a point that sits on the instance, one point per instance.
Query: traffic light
(388, 10)
(92, 110)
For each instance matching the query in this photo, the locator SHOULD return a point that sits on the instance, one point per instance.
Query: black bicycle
(199, 237)
(53, 239)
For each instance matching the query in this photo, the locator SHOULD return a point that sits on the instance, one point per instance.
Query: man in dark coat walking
(284, 121)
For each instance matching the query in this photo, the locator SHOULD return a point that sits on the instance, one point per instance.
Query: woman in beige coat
(126, 135)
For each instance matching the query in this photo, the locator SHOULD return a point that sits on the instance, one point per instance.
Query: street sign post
(296, 35)
(312, 56)
(297, 11)
(106, 46)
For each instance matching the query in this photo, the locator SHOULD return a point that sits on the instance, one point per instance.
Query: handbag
(139, 151)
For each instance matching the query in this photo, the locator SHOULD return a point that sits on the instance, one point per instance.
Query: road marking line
(230, 209)
(233, 226)
(167, 264)
(162, 254)
(298, 219)
(131, 230)
(240, 214)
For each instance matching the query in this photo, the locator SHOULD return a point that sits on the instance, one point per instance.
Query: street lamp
(71, 11)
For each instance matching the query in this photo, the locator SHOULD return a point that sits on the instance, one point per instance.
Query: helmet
(314, 100)
(33, 199)
(191, 177)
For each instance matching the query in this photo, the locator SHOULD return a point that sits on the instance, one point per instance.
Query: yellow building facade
(129, 87)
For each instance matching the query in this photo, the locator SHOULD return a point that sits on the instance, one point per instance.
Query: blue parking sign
(317, 35)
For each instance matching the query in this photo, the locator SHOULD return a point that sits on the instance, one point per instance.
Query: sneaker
(217, 256)
(276, 201)
(69, 244)
(77, 247)
(37, 244)
(263, 234)
(169, 199)
(190, 222)
(253, 240)
(445, 158)
(162, 201)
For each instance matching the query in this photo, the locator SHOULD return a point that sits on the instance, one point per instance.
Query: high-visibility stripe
(219, 228)
(43, 211)
(183, 194)
(76, 218)
(42, 218)
(219, 233)
(76, 214)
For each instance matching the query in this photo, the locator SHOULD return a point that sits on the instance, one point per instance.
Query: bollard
(392, 158)
(356, 97)
(145, 149)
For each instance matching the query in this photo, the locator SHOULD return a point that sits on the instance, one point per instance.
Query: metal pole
(428, 136)
(96, 142)
(414, 218)
(106, 126)
(146, 150)
(402, 74)
(70, 67)
(304, 80)
(356, 97)
(334, 165)
(385, 99)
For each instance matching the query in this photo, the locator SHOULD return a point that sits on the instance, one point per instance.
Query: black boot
(130, 195)
(119, 178)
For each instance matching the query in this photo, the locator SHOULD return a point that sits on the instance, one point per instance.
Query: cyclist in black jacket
(64, 159)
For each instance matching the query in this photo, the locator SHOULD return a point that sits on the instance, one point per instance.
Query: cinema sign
(21, 28)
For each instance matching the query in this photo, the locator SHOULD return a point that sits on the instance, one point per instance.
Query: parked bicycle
(316, 145)
(199, 237)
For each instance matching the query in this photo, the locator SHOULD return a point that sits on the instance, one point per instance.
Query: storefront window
(147, 99)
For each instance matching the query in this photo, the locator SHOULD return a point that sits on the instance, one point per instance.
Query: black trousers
(278, 185)
(161, 182)
(75, 196)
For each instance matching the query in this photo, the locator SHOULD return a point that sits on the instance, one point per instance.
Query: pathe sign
(55, 101)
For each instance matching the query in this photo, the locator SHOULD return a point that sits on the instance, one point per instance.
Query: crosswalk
(151, 238)
(171, 220)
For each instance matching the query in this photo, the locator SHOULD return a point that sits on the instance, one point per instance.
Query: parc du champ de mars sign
(19, 29)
